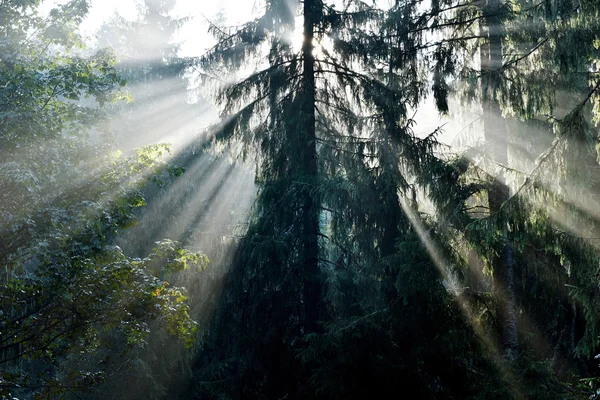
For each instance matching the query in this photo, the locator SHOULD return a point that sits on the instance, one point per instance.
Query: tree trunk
(310, 244)
(496, 148)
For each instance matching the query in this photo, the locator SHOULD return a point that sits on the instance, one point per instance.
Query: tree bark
(311, 279)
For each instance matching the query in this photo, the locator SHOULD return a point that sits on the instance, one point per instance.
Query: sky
(194, 34)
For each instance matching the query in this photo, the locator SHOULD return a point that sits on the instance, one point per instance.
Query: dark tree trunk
(310, 244)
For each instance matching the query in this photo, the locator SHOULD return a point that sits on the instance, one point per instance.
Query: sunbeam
(290, 199)
(454, 287)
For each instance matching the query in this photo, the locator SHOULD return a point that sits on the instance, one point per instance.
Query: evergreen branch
(590, 94)
(326, 261)
(348, 112)
(213, 25)
(363, 318)
(528, 53)
(459, 5)
(229, 92)
(561, 232)
(450, 40)
(536, 170)
(333, 146)
(525, 55)
(213, 50)
(511, 169)
(368, 12)
(460, 23)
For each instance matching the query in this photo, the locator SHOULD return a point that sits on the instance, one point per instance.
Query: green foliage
(63, 309)
(66, 290)
(543, 74)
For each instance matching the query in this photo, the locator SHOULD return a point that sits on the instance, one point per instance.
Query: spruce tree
(332, 138)
(148, 58)
(533, 63)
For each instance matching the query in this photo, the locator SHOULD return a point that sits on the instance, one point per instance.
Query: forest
(327, 199)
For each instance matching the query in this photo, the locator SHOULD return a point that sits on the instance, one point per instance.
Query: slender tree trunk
(496, 147)
(310, 244)
(389, 157)
(388, 245)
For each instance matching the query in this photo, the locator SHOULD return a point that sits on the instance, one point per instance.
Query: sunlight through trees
(337, 200)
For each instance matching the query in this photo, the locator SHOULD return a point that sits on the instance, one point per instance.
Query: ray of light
(176, 124)
(452, 285)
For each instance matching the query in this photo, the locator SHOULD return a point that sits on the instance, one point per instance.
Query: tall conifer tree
(330, 132)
